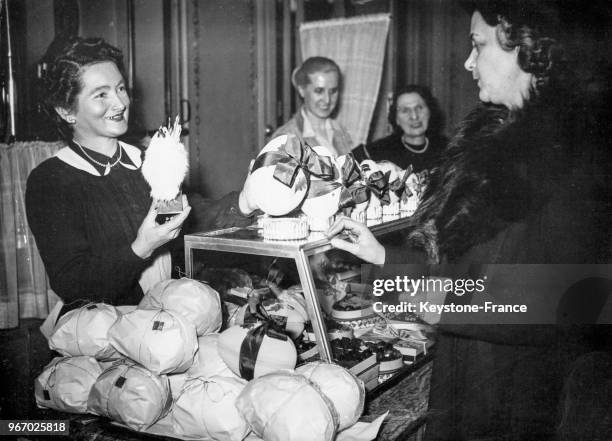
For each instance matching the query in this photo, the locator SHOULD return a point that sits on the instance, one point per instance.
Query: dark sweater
(390, 148)
(84, 225)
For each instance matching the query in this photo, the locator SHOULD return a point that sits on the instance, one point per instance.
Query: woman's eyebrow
(99, 89)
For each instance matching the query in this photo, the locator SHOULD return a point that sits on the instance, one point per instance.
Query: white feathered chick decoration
(165, 164)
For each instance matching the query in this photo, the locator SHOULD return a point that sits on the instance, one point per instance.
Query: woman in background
(318, 81)
(89, 206)
(510, 191)
(416, 140)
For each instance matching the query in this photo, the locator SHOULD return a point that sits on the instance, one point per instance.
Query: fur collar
(499, 169)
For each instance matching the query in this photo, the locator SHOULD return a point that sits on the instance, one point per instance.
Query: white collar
(71, 158)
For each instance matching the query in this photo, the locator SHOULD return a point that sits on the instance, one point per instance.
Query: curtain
(358, 46)
(24, 289)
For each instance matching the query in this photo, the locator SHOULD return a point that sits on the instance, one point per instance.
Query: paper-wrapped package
(208, 363)
(323, 197)
(344, 390)
(251, 352)
(65, 383)
(289, 310)
(84, 331)
(131, 395)
(162, 341)
(284, 406)
(194, 300)
(205, 410)
(277, 181)
(177, 381)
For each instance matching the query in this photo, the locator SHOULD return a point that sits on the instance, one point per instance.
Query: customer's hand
(152, 235)
(362, 242)
(246, 199)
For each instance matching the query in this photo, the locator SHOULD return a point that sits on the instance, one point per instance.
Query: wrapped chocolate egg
(251, 352)
(131, 395)
(65, 383)
(208, 363)
(277, 182)
(196, 301)
(84, 331)
(289, 310)
(284, 406)
(344, 390)
(162, 341)
(205, 409)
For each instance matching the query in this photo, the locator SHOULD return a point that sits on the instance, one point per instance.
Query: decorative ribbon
(378, 184)
(354, 195)
(320, 188)
(351, 172)
(249, 349)
(399, 185)
(292, 157)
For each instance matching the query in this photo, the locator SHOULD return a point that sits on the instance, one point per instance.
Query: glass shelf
(249, 240)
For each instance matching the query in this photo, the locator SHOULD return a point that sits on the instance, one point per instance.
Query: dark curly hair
(312, 65)
(63, 64)
(436, 119)
(532, 26)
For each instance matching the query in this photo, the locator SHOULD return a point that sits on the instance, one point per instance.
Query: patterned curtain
(358, 46)
(24, 289)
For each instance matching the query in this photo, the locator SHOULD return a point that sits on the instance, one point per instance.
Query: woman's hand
(152, 235)
(246, 199)
(363, 244)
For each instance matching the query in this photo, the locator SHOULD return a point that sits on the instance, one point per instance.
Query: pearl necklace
(106, 166)
(413, 150)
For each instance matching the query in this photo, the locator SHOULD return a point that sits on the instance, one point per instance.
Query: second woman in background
(416, 139)
(318, 81)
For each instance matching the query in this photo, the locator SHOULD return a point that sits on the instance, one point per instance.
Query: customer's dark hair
(532, 26)
(312, 65)
(436, 119)
(62, 67)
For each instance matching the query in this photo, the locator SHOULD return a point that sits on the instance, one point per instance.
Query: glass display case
(249, 241)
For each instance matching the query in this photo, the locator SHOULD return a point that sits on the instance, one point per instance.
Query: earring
(71, 120)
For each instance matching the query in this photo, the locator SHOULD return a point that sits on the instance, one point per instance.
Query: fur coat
(510, 190)
(502, 168)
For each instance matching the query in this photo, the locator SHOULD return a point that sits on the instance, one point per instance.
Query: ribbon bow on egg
(351, 172)
(292, 157)
(254, 338)
(398, 186)
(378, 184)
(354, 192)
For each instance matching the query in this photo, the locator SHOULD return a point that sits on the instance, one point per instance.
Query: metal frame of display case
(249, 241)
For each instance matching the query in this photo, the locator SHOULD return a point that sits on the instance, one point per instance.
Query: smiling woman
(318, 81)
(417, 138)
(103, 104)
(89, 206)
